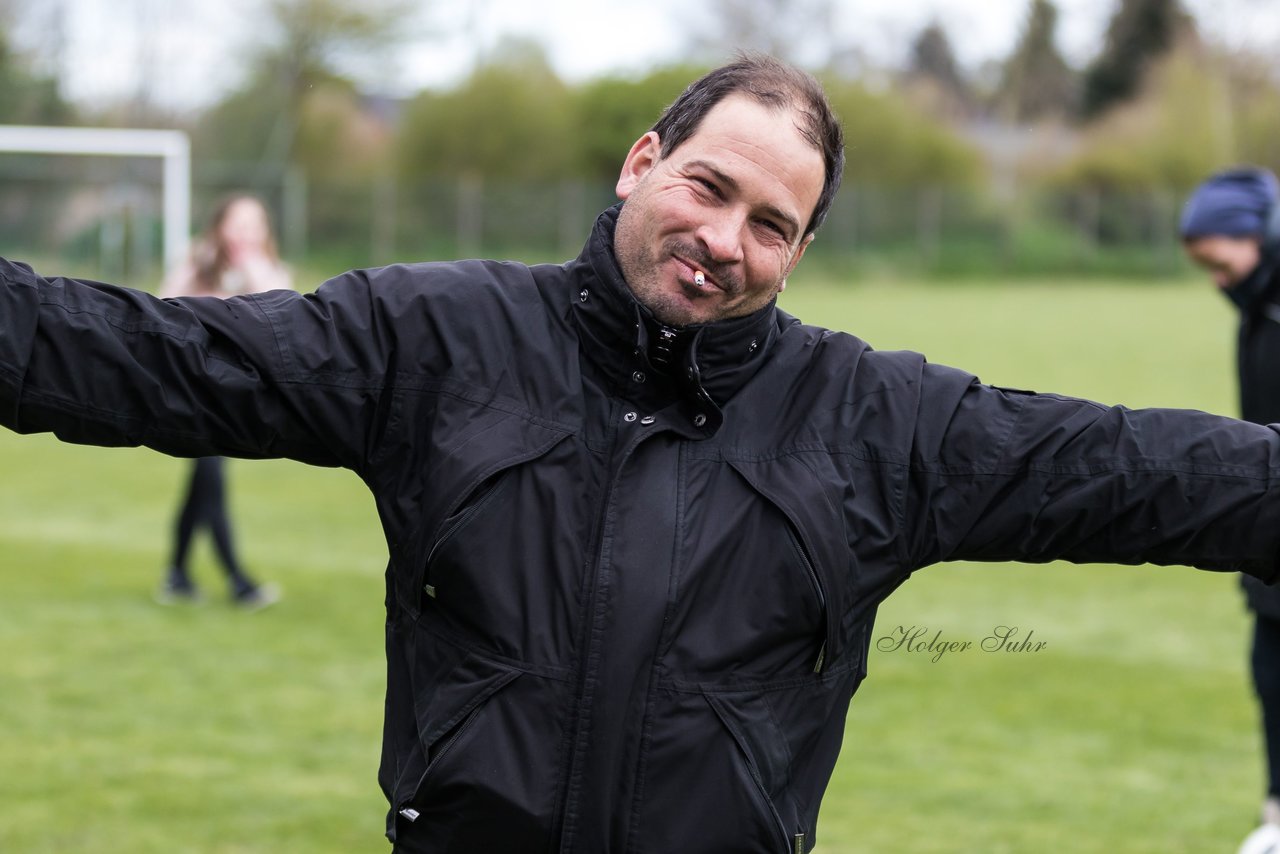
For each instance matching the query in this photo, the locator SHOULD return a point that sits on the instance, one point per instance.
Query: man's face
(1228, 259)
(731, 203)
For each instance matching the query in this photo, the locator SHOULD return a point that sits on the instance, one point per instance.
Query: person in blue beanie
(1231, 227)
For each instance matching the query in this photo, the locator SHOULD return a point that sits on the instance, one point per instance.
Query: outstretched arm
(1006, 475)
(269, 375)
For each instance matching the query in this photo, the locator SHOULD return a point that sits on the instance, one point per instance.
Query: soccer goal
(172, 146)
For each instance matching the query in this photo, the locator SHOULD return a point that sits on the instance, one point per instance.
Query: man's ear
(795, 259)
(640, 159)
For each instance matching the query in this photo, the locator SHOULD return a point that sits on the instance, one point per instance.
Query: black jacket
(627, 612)
(1258, 369)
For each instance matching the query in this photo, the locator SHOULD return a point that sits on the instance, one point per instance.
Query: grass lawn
(125, 727)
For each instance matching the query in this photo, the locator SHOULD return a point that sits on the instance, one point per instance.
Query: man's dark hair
(774, 84)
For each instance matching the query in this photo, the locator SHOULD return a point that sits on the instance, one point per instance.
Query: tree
(610, 113)
(891, 143)
(295, 76)
(1161, 140)
(1256, 96)
(26, 96)
(1140, 32)
(799, 31)
(512, 118)
(933, 76)
(1036, 81)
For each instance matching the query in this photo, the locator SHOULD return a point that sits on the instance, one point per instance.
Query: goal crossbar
(172, 146)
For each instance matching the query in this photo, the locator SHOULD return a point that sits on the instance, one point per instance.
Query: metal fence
(102, 218)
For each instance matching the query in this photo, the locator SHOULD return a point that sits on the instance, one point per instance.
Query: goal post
(172, 146)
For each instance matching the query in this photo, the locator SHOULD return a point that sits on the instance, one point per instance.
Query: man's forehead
(760, 137)
(740, 108)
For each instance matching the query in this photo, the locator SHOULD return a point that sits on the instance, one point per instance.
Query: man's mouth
(697, 277)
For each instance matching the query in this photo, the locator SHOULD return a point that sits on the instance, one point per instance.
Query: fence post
(1090, 220)
(294, 216)
(1164, 207)
(929, 223)
(141, 245)
(383, 221)
(572, 199)
(470, 213)
(854, 232)
(111, 246)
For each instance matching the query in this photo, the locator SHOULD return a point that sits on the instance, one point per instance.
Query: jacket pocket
(453, 708)
(465, 511)
(817, 535)
(753, 598)
(472, 450)
(815, 584)
(716, 778)
(498, 584)
(444, 714)
(487, 756)
(762, 751)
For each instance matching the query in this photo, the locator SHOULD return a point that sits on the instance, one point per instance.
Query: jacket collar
(719, 358)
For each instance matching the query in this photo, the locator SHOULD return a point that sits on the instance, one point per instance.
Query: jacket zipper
(444, 749)
(589, 618)
(409, 812)
(816, 583)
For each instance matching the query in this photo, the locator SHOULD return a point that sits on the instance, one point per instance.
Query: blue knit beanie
(1234, 203)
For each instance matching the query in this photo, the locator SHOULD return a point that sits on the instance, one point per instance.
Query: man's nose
(721, 234)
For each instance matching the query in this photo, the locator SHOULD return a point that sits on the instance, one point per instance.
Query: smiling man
(639, 519)
(733, 202)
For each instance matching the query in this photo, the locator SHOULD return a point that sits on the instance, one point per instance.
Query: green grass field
(126, 727)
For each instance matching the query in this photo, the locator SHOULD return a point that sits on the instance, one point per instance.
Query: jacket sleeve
(997, 474)
(279, 374)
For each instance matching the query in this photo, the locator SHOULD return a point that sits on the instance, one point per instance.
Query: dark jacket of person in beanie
(1243, 203)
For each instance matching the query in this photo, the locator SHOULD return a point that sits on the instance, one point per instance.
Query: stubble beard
(641, 270)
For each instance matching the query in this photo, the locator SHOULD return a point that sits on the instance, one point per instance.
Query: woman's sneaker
(175, 591)
(1266, 839)
(257, 597)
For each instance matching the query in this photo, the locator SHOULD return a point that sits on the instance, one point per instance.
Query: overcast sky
(187, 52)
